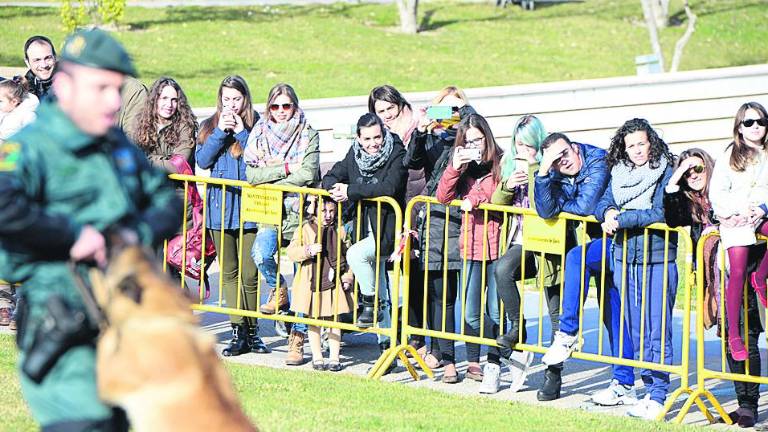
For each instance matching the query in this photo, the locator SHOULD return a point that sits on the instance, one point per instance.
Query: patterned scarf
(368, 164)
(633, 186)
(286, 142)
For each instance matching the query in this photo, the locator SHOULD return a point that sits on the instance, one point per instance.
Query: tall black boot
(365, 314)
(550, 390)
(257, 345)
(510, 338)
(239, 343)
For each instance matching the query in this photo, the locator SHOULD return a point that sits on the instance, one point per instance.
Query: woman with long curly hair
(166, 126)
(641, 165)
(739, 193)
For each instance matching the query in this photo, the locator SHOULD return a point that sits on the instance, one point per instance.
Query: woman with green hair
(518, 169)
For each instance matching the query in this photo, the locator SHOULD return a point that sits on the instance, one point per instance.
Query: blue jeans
(569, 318)
(472, 283)
(656, 383)
(263, 254)
(361, 258)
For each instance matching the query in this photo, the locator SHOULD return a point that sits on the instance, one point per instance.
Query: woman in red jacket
(472, 177)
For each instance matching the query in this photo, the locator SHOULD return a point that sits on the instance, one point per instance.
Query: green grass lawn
(346, 49)
(299, 400)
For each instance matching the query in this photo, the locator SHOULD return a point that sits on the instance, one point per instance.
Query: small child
(315, 294)
(17, 108)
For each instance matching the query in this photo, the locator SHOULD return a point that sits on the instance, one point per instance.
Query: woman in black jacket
(373, 167)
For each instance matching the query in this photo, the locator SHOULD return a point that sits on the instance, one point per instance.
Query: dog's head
(133, 287)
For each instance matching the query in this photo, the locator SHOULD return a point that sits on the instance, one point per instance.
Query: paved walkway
(204, 3)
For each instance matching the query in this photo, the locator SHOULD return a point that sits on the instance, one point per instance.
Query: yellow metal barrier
(686, 276)
(219, 305)
(703, 372)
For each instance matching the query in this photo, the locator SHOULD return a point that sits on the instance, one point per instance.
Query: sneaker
(518, 363)
(560, 350)
(646, 409)
(491, 379)
(615, 394)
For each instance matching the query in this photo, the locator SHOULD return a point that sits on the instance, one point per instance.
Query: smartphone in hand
(439, 112)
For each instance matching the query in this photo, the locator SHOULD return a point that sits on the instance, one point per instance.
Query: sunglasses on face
(761, 122)
(698, 169)
(285, 106)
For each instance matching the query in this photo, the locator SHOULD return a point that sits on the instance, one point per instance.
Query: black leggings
(444, 347)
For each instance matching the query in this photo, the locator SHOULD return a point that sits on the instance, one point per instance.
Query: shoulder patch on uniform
(9, 155)
(124, 160)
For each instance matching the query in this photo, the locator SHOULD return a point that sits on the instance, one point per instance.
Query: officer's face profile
(40, 59)
(89, 96)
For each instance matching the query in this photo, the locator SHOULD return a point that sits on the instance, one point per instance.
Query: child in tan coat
(321, 288)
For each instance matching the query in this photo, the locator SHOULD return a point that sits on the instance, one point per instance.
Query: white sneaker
(615, 394)
(491, 379)
(561, 348)
(646, 409)
(518, 363)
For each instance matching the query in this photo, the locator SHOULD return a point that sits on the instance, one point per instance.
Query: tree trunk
(660, 12)
(653, 31)
(684, 38)
(408, 11)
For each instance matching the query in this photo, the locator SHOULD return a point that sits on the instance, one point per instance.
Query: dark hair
(369, 120)
(492, 154)
(386, 93)
(146, 136)
(277, 90)
(700, 205)
(14, 89)
(617, 153)
(38, 39)
(552, 138)
(742, 154)
(246, 113)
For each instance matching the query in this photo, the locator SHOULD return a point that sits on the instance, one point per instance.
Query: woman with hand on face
(220, 149)
(166, 126)
(641, 166)
(738, 191)
(373, 167)
(472, 177)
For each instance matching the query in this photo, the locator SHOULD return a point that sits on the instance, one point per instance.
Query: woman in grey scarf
(641, 165)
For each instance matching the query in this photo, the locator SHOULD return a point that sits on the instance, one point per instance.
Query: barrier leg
(696, 397)
(386, 358)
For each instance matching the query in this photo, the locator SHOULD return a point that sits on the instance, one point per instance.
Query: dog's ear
(130, 288)
(100, 288)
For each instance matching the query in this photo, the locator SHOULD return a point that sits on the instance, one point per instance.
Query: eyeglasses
(761, 122)
(475, 142)
(285, 106)
(698, 169)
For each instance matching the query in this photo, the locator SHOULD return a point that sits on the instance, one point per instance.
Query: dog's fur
(153, 360)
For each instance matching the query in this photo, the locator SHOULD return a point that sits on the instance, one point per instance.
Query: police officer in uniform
(65, 181)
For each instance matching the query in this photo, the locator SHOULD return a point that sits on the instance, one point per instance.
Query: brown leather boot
(270, 307)
(295, 355)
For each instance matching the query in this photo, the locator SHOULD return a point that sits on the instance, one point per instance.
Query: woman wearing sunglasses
(739, 193)
(282, 149)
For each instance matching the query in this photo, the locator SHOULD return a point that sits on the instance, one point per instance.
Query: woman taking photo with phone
(472, 176)
(220, 149)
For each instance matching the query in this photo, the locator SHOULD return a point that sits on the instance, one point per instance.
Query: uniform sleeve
(22, 218)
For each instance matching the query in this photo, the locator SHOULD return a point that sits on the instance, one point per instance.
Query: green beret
(97, 49)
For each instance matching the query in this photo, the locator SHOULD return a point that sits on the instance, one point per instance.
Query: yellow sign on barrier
(544, 235)
(262, 206)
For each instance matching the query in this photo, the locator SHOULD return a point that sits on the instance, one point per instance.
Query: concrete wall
(687, 108)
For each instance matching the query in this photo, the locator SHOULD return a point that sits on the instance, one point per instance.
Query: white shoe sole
(518, 364)
(622, 401)
(548, 359)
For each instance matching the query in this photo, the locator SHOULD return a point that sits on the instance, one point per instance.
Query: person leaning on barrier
(641, 165)
(431, 149)
(593, 170)
(373, 167)
(518, 170)
(472, 177)
(220, 149)
(65, 180)
(40, 58)
(166, 127)
(282, 149)
(571, 178)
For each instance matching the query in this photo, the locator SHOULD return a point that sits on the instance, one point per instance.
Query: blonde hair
(450, 91)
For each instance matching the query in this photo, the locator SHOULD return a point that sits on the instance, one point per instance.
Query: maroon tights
(734, 292)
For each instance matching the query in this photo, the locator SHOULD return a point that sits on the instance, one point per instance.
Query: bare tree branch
(680, 45)
(653, 32)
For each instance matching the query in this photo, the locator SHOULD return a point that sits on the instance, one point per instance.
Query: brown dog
(153, 360)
